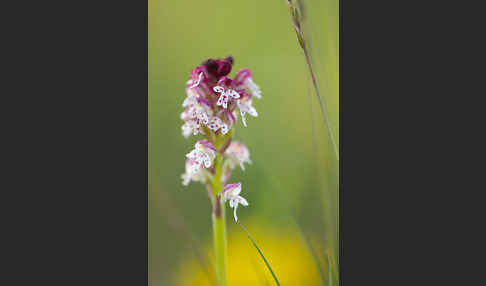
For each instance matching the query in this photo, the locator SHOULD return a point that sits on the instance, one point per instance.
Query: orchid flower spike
(231, 193)
(212, 104)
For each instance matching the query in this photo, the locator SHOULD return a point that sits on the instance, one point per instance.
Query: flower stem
(220, 254)
(219, 226)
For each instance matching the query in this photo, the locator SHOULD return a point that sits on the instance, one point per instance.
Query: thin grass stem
(321, 104)
(297, 18)
(261, 254)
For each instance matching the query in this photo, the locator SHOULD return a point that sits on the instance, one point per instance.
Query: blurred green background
(292, 185)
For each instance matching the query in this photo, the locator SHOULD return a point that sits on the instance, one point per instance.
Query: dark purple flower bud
(211, 67)
(230, 60)
(225, 66)
(217, 67)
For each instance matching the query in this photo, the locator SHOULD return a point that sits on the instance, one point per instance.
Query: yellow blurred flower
(284, 249)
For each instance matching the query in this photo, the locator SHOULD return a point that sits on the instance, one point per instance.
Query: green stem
(220, 254)
(219, 226)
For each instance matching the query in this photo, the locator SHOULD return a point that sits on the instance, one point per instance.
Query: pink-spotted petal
(224, 129)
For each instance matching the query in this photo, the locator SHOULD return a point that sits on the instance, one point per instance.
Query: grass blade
(261, 254)
(298, 19)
